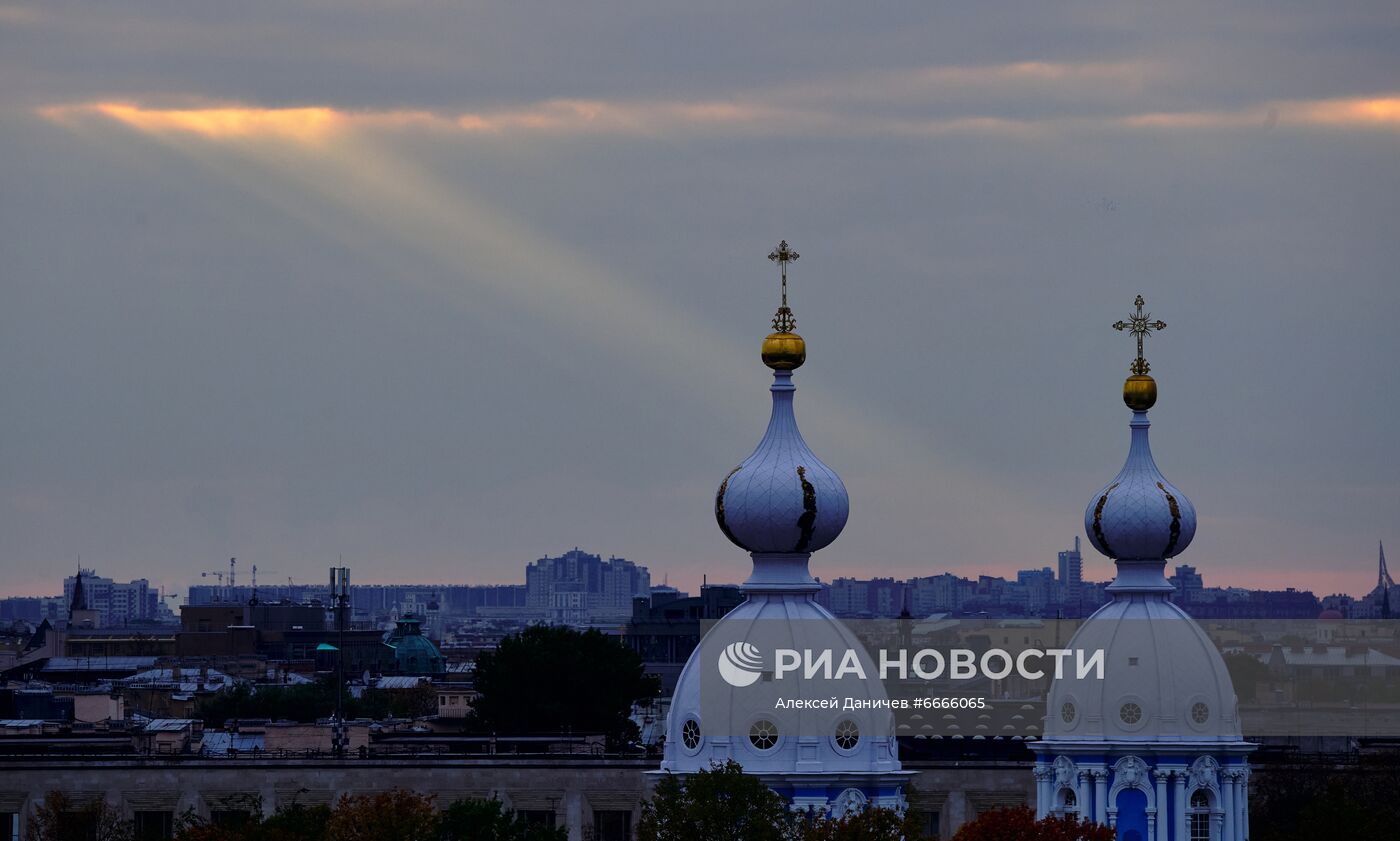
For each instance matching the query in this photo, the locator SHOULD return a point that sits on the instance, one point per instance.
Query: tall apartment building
(876, 597)
(1040, 589)
(116, 603)
(1188, 584)
(577, 587)
(1071, 575)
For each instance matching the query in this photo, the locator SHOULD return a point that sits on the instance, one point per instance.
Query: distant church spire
(1383, 584)
(79, 601)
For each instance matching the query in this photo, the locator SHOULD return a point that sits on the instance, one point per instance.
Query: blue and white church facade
(781, 504)
(1154, 747)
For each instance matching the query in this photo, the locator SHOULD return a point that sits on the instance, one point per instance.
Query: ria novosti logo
(740, 664)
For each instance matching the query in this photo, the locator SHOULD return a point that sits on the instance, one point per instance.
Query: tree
(1325, 799)
(398, 814)
(301, 702)
(719, 804)
(869, 824)
(378, 704)
(474, 819)
(549, 679)
(61, 818)
(192, 827)
(295, 823)
(311, 701)
(1019, 824)
(1247, 674)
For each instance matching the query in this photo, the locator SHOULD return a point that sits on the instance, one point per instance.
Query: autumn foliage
(1019, 824)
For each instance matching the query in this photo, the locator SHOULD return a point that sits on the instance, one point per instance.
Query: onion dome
(782, 500)
(1140, 516)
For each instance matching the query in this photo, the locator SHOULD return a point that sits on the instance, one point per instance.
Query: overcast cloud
(441, 289)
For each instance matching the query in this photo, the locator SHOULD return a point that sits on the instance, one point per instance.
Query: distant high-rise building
(1039, 585)
(113, 603)
(1071, 575)
(1188, 584)
(876, 597)
(579, 587)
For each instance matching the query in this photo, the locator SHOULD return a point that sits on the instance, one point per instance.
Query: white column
(1163, 816)
(1244, 805)
(1179, 829)
(1227, 805)
(1083, 804)
(1101, 796)
(1042, 791)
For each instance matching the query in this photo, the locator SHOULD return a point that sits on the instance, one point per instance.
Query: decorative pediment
(1204, 774)
(851, 800)
(1130, 772)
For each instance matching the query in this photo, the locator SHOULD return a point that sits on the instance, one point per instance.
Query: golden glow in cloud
(232, 122)
(1379, 112)
(570, 117)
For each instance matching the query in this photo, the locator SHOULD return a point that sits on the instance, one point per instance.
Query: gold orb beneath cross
(784, 351)
(1140, 392)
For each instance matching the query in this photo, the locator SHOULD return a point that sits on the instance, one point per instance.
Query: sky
(434, 289)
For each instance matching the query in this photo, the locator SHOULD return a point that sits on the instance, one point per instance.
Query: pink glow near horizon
(1358, 579)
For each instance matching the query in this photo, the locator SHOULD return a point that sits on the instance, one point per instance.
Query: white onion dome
(1163, 680)
(731, 700)
(1140, 515)
(782, 503)
(782, 499)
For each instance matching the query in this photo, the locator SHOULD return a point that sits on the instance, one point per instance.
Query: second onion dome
(1140, 515)
(782, 499)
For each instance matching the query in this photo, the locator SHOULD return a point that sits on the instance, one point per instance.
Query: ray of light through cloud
(1051, 162)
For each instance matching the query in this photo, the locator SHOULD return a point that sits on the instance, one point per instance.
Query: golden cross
(783, 320)
(1139, 324)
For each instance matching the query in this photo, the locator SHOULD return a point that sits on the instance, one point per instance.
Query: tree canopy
(396, 813)
(312, 701)
(61, 818)
(1019, 824)
(723, 803)
(719, 804)
(553, 679)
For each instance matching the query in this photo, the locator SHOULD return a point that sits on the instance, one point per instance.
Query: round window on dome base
(690, 734)
(846, 735)
(763, 735)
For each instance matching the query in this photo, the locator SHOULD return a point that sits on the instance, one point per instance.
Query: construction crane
(219, 575)
(255, 579)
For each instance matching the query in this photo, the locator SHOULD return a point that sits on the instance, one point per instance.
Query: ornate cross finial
(783, 320)
(1139, 324)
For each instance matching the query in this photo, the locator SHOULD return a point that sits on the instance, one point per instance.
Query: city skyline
(1065, 578)
(400, 287)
